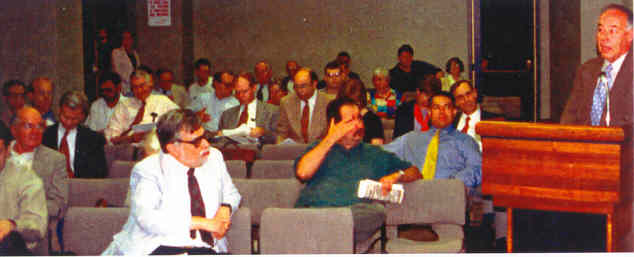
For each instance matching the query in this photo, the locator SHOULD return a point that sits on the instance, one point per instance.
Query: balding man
(303, 113)
(40, 92)
(263, 74)
(143, 108)
(291, 68)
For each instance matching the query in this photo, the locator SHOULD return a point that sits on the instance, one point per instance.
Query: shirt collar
(616, 65)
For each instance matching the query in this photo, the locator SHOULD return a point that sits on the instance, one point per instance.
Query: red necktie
(137, 119)
(244, 116)
(305, 121)
(63, 148)
(466, 125)
(197, 206)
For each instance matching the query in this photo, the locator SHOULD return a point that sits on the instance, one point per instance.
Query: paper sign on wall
(159, 13)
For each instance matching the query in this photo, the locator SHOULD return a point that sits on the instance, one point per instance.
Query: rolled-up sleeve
(471, 175)
(32, 218)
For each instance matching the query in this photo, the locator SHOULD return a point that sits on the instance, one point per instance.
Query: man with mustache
(101, 110)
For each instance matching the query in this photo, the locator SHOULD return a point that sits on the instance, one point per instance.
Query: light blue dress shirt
(458, 154)
(214, 106)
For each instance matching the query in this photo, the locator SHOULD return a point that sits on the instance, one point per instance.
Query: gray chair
(121, 169)
(272, 169)
(88, 231)
(124, 152)
(307, 231)
(282, 152)
(440, 203)
(236, 168)
(86, 192)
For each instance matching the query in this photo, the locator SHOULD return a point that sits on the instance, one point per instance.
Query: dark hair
(173, 122)
(430, 85)
(334, 107)
(218, 75)
(332, 65)
(354, 86)
(146, 69)
(278, 81)
(445, 94)
(6, 137)
(454, 59)
(313, 76)
(201, 62)
(74, 99)
(343, 53)
(109, 76)
(163, 70)
(9, 84)
(622, 9)
(31, 87)
(406, 48)
(455, 85)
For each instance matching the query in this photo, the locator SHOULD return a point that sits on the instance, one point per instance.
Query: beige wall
(590, 10)
(236, 34)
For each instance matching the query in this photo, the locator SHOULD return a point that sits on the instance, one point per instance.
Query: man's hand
(203, 116)
(138, 137)
(215, 225)
(223, 215)
(6, 227)
(256, 132)
(339, 130)
(388, 181)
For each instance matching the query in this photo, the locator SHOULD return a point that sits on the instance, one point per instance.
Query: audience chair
(124, 152)
(282, 152)
(236, 168)
(87, 192)
(121, 169)
(307, 231)
(440, 203)
(273, 169)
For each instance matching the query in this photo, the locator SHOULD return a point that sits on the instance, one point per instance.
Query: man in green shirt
(333, 167)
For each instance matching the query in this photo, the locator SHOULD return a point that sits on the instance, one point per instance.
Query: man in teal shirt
(333, 167)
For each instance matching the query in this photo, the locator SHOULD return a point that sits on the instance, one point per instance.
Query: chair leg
(383, 238)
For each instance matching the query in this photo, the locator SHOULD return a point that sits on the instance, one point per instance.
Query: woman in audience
(355, 90)
(384, 100)
(454, 69)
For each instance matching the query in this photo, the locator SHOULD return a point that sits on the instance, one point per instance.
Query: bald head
(263, 72)
(27, 129)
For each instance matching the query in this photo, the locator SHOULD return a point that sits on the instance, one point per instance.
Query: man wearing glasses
(182, 198)
(303, 113)
(333, 79)
(101, 109)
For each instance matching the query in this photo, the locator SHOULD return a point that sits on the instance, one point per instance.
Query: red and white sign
(159, 13)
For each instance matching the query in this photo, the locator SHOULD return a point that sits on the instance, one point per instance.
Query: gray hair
(622, 9)
(380, 72)
(172, 123)
(74, 99)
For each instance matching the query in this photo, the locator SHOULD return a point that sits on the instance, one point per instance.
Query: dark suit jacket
(404, 121)
(577, 110)
(90, 159)
(266, 116)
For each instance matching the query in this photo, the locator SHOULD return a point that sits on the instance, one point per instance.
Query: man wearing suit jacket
(253, 119)
(86, 157)
(292, 110)
(416, 114)
(470, 112)
(601, 96)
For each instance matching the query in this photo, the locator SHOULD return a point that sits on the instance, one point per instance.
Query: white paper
(371, 189)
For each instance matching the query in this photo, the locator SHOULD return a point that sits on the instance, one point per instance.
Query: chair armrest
(239, 235)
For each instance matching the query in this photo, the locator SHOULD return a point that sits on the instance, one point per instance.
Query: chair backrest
(121, 169)
(124, 152)
(388, 123)
(86, 192)
(307, 231)
(259, 194)
(89, 230)
(282, 152)
(273, 169)
(237, 168)
(430, 201)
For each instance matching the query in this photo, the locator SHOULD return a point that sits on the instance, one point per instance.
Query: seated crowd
(340, 120)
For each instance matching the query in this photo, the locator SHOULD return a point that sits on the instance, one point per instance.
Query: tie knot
(608, 69)
(190, 172)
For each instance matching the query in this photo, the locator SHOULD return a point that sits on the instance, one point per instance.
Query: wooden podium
(557, 168)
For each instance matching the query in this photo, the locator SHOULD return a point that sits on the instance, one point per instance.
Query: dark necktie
(197, 206)
(305, 121)
(63, 148)
(260, 93)
(466, 125)
(137, 119)
(244, 115)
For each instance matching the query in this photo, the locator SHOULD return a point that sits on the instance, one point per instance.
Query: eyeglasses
(195, 142)
(36, 126)
(332, 75)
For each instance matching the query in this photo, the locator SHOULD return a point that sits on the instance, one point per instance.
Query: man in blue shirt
(459, 156)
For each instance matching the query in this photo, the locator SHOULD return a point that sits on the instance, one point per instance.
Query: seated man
(182, 198)
(40, 92)
(415, 115)
(167, 87)
(456, 154)
(302, 113)
(252, 119)
(23, 216)
(209, 106)
(101, 109)
(14, 96)
(333, 167)
(83, 147)
(143, 108)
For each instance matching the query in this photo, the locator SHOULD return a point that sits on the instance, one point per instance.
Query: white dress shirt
(311, 107)
(100, 113)
(124, 114)
(24, 159)
(195, 90)
(475, 117)
(70, 139)
(214, 108)
(160, 212)
(265, 91)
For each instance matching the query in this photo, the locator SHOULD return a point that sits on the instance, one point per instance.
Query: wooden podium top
(545, 131)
